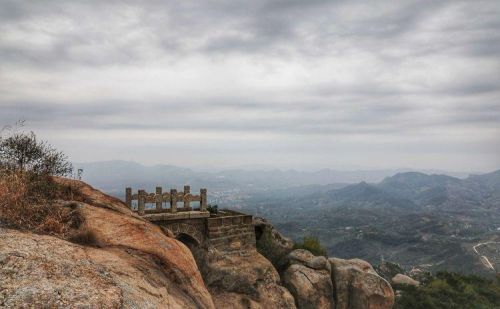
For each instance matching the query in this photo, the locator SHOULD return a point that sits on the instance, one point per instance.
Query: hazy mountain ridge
(114, 176)
(423, 190)
(410, 218)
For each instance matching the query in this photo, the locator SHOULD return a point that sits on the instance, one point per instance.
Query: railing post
(128, 197)
(187, 191)
(173, 200)
(141, 203)
(159, 198)
(203, 199)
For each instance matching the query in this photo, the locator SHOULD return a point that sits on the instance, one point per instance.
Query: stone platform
(225, 230)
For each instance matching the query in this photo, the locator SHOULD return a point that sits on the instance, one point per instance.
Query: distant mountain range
(113, 176)
(413, 189)
(411, 218)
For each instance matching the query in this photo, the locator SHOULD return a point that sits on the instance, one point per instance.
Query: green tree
(451, 290)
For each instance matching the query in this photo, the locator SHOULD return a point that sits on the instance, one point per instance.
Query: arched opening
(258, 232)
(193, 246)
(188, 240)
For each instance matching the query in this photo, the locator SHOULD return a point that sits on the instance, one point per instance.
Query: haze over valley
(435, 220)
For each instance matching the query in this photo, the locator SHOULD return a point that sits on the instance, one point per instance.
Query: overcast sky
(304, 84)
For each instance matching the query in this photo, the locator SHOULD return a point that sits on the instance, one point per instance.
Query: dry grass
(27, 203)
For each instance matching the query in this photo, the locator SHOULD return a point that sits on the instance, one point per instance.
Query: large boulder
(243, 280)
(40, 271)
(401, 279)
(306, 258)
(358, 286)
(122, 261)
(308, 279)
(270, 243)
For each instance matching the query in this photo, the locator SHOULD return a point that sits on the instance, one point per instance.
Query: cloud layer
(279, 83)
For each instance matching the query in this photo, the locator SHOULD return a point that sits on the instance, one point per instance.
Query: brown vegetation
(28, 202)
(29, 196)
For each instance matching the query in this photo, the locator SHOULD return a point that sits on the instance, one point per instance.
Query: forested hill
(411, 218)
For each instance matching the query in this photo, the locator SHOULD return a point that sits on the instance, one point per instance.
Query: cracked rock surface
(358, 286)
(308, 279)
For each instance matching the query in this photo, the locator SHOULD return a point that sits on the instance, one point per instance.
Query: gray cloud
(382, 74)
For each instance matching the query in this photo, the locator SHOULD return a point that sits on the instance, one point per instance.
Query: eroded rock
(308, 279)
(304, 257)
(243, 281)
(46, 272)
(270, 243)
(358, 286)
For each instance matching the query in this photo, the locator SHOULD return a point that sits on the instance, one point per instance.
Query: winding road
(483, 258)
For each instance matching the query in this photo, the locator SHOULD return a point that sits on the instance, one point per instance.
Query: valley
(434, 222)
(431, 221)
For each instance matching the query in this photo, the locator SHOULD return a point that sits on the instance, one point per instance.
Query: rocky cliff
(121, 260)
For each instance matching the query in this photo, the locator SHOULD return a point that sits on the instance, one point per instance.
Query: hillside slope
(434, 221)
(130, 262)
(123, 261)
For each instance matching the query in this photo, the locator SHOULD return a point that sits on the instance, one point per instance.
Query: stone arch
(188, 240)
(180, 229)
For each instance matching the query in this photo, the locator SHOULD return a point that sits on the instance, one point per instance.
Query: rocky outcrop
(401, 279)
(243, 281)
(306, 258)
(358, 286)
(118, 260)
(43, 271)
(271, 244)
(308, 279)
(129, 263)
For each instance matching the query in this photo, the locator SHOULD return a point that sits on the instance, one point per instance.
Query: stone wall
(231, 233)
(227, 231)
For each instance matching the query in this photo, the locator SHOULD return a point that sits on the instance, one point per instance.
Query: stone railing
(171, 198)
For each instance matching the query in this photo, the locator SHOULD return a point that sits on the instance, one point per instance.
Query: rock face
(130, 264)
(308, 279)
(243, 281)
(358, 286)
(401, 279)
(126, 262)
(43, 271)
(270, 243)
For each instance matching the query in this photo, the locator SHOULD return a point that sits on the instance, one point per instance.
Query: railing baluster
(187, 191)
(203, 199)
(128, 197)
(158, 198)
(141, 202)
(173, 200)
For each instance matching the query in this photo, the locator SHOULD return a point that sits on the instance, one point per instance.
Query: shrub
(27, 191)
(451, 290)
(213, 209)
(266, 246)
(24, 152)
(312, 244)
(24, 206)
